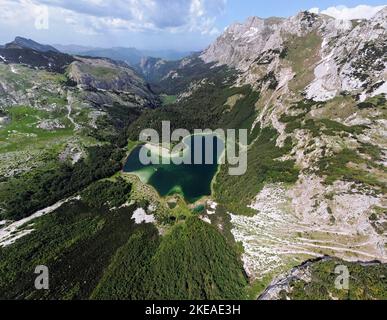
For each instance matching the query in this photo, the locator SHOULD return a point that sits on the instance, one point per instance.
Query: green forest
(129, 261)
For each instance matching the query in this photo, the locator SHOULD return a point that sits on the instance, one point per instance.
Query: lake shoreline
(192, 181)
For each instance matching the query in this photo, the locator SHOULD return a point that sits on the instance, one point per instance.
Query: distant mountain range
(132, 56)
(27, 51)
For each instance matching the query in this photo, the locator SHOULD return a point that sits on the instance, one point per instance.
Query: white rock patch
(140, 216)
(11, 233)
(326, 82)
(13, 69)
(205, 219)
(380, 90)
(212, 207)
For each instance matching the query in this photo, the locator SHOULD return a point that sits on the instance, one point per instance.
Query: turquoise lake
(193, 181)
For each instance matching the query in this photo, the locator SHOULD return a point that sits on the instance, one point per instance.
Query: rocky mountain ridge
(131, 56)
(352, 53)
(101, 74)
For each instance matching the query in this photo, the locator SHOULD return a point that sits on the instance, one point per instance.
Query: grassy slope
(236, 192)
(99, 72)
(22, 131)
(168, 99)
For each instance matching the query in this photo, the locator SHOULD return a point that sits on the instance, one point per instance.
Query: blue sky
(284, 8)
(186, 25)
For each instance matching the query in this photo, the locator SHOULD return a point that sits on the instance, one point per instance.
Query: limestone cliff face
(350, 55)
(241, 44)
(106, 82)
(107, 74)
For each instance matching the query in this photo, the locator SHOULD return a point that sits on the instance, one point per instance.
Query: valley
(310, 90)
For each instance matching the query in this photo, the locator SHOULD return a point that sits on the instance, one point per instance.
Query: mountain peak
(24, 43)
(381, 15)
(254, 21)
(241, 43)
(382, 12)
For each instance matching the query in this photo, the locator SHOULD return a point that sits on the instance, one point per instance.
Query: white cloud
(345, 13)
(314, 10)
(196, 8)
(17, 12)
(140, 15)
(150, 24)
